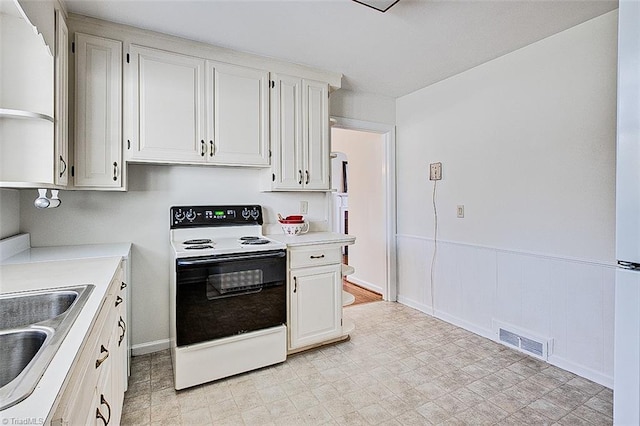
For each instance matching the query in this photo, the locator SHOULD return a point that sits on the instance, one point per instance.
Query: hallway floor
(401, 367)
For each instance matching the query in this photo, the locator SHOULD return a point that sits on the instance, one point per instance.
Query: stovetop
(216, 230)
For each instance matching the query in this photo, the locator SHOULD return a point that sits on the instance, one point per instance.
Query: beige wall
(365, 156)
(527, 142)
(10, 212)
(362, 106)
(141, 216)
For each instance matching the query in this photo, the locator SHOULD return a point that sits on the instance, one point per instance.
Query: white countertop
(85, 251)
(312, 238)
(41, 275)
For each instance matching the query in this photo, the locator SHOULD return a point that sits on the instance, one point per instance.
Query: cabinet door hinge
(73, 47)
(128, 58)
(73, 171)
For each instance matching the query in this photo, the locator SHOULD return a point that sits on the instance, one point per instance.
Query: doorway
(364, 179)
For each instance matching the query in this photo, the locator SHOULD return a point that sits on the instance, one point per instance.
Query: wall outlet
(460, 210)
(435, 171)
(304, 207)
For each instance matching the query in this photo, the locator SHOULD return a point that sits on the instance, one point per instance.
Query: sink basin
(33, 325)
(25, 309)
(17, 349)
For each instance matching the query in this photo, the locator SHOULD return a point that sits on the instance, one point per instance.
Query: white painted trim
(425, 309)
(366, 284)
(390, 290)
(451, 319)
(149, 347)
(582, 371)
(512, 251)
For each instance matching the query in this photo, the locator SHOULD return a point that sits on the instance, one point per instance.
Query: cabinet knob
(119, 300)
(295, 284)
(306, 173)
(203, 148)
(212, 151)
(299, 177)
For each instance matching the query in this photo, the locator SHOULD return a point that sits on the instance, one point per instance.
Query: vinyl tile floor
(400, 367)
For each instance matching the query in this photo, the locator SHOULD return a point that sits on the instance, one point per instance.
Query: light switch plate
(460, 210)
(304, 207)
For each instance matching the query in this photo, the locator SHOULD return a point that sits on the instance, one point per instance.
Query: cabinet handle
(306, 173)
(317, 257)
(119, 300)
(123, 286)
(99, 415)
(299, 177)
(123, 326)
(212, 151)
(64, 163)
(295, 284)
(203, 148)
(115, 171)
(104, 358)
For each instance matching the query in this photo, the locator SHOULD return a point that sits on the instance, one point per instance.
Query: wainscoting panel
(569, 302)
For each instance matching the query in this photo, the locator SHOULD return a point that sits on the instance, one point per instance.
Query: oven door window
(229, 295)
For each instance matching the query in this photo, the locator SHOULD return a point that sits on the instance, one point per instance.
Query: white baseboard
(582, 371)
(466, 325)
(365, 284)
(149, 347)
(415, 305)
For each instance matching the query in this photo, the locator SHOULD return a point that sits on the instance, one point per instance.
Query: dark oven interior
(227, 295)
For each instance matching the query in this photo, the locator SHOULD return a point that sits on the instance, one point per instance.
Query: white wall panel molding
(521, 252)
(568, 300)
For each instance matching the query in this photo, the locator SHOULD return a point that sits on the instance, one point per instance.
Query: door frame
(388, 132)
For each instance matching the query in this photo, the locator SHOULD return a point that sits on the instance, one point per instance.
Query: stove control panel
(196, 216)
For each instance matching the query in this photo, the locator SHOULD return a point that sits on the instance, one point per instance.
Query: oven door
(225, 295)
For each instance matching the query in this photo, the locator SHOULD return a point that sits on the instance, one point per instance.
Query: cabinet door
(237, 115)
(98, 111)
(168, 106)
(286, 132)
(61, 94)
(315, 140)
(315, 305)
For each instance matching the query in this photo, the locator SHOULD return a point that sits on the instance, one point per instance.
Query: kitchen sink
(32, 328)
(17, 350)
(25, 309)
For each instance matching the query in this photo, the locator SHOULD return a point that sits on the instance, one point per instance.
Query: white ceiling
(414, 44)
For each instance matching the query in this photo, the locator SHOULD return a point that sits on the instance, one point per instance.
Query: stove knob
(246, 213)
(190, 215)
(179, 216)
(255, 213)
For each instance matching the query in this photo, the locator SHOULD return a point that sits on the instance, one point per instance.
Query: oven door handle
(210, 260)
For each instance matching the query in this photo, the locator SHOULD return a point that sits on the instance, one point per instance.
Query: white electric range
(228, 293)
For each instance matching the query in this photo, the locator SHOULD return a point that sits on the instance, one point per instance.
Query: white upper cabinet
(61, 107)
(168, 99)
(299, 134)
(315, 135)
(191, 110)
(98, 113)
(237, 114)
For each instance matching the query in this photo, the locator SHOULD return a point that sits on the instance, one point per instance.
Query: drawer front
(314, 256)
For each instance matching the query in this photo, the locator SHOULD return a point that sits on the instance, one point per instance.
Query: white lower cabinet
(315, 296)
(94, 390)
